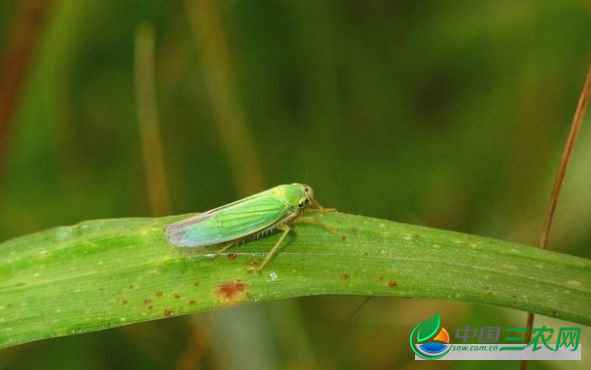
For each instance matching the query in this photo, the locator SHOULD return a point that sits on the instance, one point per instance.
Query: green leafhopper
(278, 208)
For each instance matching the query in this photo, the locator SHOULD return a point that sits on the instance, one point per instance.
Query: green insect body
(275, 209)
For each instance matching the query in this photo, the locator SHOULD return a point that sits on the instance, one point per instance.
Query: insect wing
(234, 221)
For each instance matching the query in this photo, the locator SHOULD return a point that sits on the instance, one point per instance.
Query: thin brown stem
(564, 162)
(566, 156)
(20, 47)
(217, 68)
(156, 182)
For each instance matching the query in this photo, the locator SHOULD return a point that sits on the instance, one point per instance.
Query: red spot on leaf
(232, 291)
(167, 312)
(345, 276)
(232, 256)
(392, 283)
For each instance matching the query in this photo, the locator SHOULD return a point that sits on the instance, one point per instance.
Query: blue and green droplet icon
(429, 340)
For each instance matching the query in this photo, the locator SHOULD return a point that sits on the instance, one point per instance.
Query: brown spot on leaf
(192, 302)
(159, 293)
(354, 229)
(167, 312)
(232, 256)
(124, 301)
(147, 301)
(196, 283)
(252, 262)
(150, 307)
(392, 283)
(345, 276)
(233, 291)
(177, 296)
(381, 278)
(489, 292)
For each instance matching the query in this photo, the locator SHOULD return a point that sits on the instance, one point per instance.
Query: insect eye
(301, 204)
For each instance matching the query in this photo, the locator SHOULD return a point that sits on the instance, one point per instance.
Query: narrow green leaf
(107, 273)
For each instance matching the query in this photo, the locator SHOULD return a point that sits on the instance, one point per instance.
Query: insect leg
(224, 248)
(283, 227)
(320, 208)
(313, 220)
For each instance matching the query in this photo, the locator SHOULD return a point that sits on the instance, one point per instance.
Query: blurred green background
(448, 115)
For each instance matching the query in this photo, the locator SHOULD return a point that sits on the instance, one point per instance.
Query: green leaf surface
(107, 273)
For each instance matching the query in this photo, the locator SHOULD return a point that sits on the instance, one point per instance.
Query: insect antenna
(360, 307)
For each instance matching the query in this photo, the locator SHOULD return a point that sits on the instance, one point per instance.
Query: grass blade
(107, 273)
